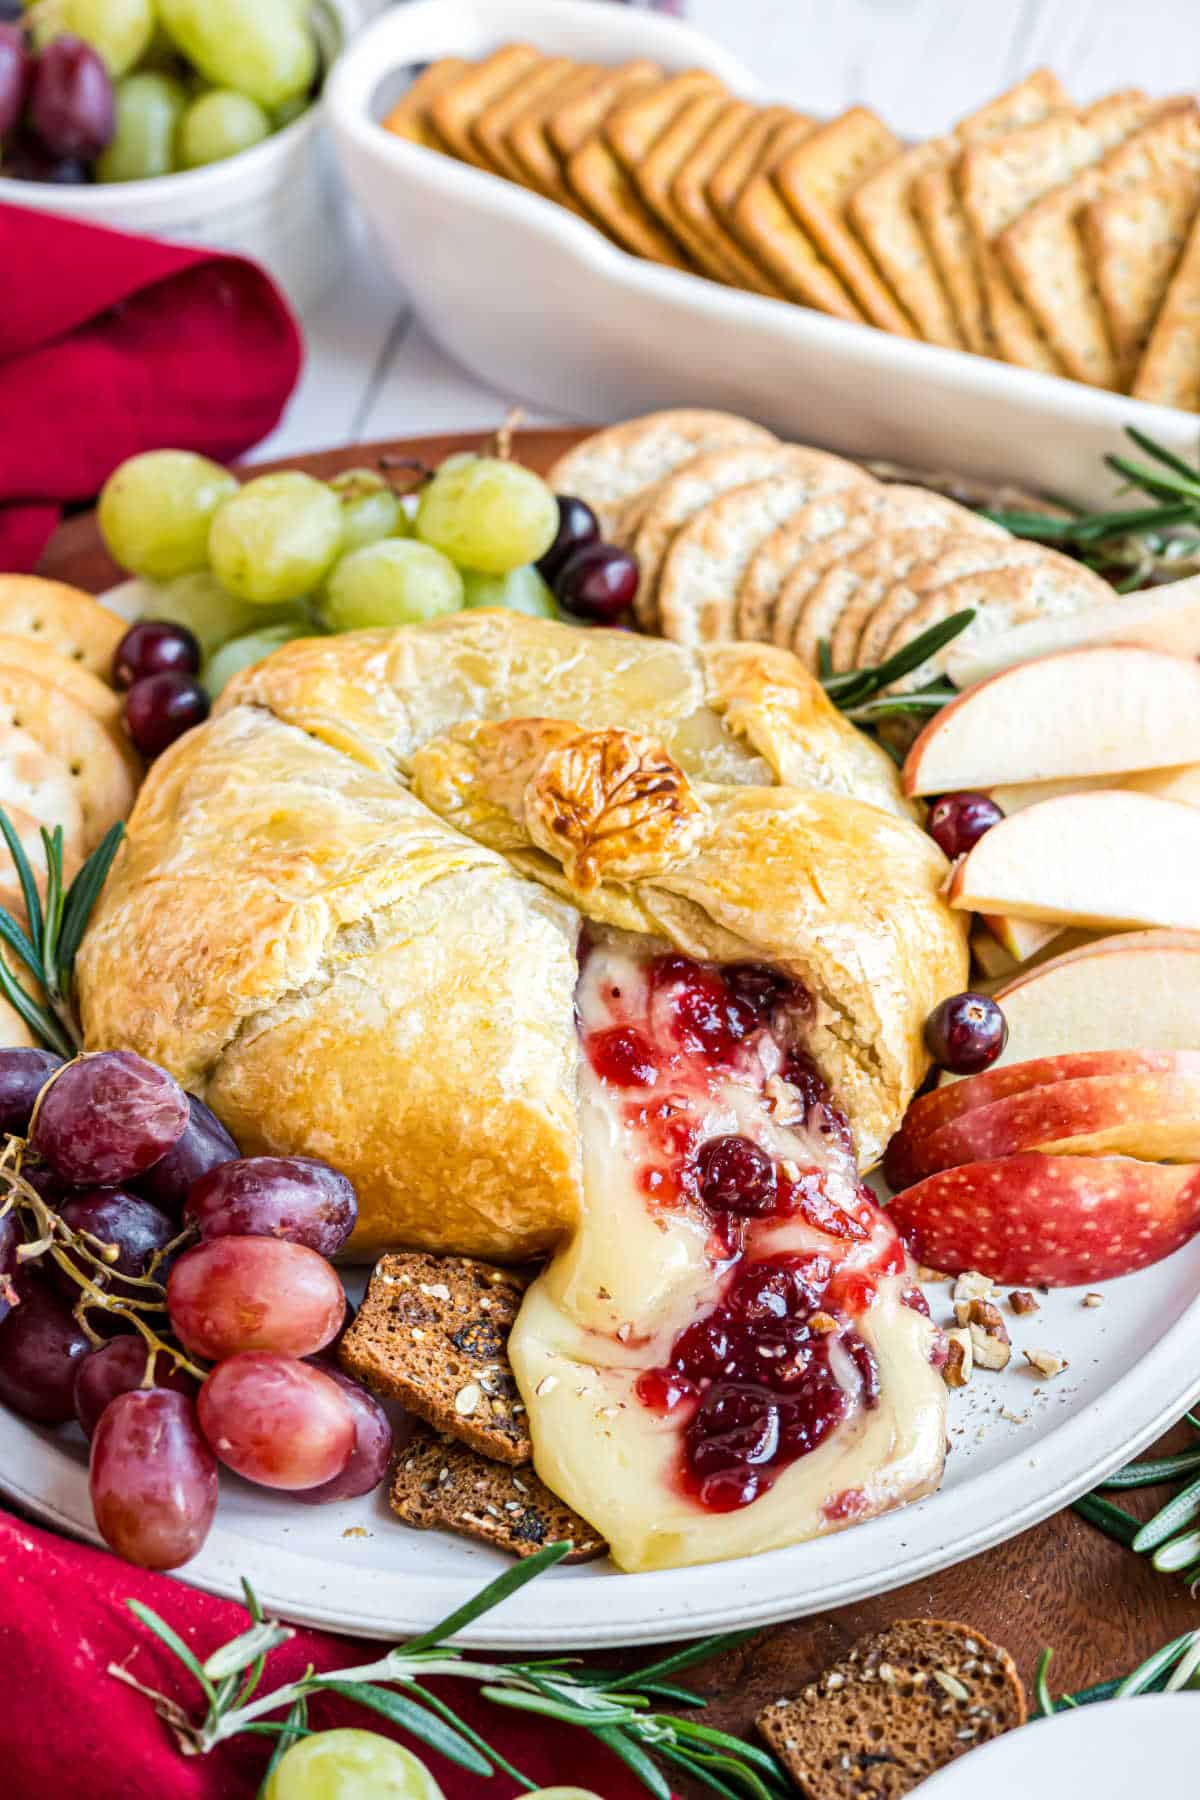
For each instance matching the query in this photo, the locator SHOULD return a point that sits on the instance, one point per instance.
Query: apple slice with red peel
(1165, 618)
(1051, 1221)
(1109, 859)
(1100, 710)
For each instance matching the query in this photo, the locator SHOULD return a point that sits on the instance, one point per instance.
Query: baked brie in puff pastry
(576, 942)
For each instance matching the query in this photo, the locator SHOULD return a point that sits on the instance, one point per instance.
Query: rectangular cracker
(454, 109)
(770, 231)
(749, 156)
(490, 128)
(816, 180)
(529, 140)
(998, 180)
(939, 213)
(576, 118)
(1047, 263)
(1169, 372)
(656, 176)
(735, 121)
(880, 212)
(634, 127)
(410, 117)
(1133, 241)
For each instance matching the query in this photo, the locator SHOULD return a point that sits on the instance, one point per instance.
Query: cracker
(709, 556)
(454, 109)
(752, 152)
(816, 180)
(1169, 372)
(735, 121)
(804, 537)
(105, 784)
(1133, 242)
(410, 117)
(94, 695)
(38, 784)
(656, 174)
(963, 554)
(529, 140)
(61, 618)
(882, 564)
(611, 466)
(491, 128)
(880, 210)
(696, 485)
(634, 127)
(774, 237)
(576, 117)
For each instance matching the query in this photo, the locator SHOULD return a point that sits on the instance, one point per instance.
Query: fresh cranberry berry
(160, 708)
(577, 526)
(734, 1427)
(765, 989)
(966, 1033)
(152, 647)
(662, 1390)
(702, 1014)
(704, 1349)
(958, 821)
(624, 1057)
(785, 1288)
(597, 583)
(736, 1176)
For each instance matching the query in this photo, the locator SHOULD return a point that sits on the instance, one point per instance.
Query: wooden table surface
(1101, 1608)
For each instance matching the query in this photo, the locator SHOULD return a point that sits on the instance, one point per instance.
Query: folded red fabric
(70, 1731)
(111, 344)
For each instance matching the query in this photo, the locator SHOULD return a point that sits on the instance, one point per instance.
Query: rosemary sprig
(859, 693)
(1173, 1667)
(1171, 1536)
(47, 947)
(615, 1710)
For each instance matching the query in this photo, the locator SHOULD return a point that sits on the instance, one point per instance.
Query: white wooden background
(372, 372)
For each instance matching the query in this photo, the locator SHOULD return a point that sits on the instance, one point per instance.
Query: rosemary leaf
(491, 1595)
(1181, 1511)
(17, 941)
(824, 660)
(40, 1022)
(710, 1766)
(635, 1758)
(52, 843)
(1107, 1518)
(1183, 1675)
(565, 1711)
(83, 895)
(712, 1782)
(1042, 1685)
(1160, 453)
(1154, 1666)
(1177, 1554)
(295, 1726)
(702, 1651)
(721, 1740)
(438, 1706)
(426, 1727)
(1150, 482)
(247, 1648)
(174, 1643)
(1151, 1474)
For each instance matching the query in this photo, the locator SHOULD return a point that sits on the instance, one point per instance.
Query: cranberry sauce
(731, 1120)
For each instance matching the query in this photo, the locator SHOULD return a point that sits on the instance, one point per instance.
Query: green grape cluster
(247, 567)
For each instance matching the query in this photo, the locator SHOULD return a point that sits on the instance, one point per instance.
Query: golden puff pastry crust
(348, 909)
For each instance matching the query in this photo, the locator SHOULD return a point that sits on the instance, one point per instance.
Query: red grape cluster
(151, 1249)
(156, 664)
(593, 582)
(57, 110)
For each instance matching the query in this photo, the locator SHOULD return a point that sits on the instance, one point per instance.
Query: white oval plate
(1104, 1751)
(1021, 1449)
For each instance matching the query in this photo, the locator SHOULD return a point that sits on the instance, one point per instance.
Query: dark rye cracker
(902, 1704)
(410, 117)
(432, 1333)
(441, 1485)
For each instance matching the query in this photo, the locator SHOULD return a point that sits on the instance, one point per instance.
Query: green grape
(564, 1793)
(266, 50)
(119, 30)
(290, 110)
(487, 514)
(370, 509)
(148, 109)
(396, 582)
(220, 124)
(213, 616)
(155, 510)
(522, 590)
(349, 1764)
(243, 652)
(275, 539)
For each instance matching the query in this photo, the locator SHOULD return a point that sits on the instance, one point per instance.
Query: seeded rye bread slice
(611, 466)
(441, 1485)
(901, 1705)
(432, 1333)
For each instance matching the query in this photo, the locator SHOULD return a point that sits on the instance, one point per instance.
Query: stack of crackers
(740, 536)
(64, 758)
(1059, 238)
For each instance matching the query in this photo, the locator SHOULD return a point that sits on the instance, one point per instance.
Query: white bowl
(279, 203)
(535, 301)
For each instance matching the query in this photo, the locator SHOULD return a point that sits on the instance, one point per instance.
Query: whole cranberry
(966, 1033)
(958, 821)
(736, 1176)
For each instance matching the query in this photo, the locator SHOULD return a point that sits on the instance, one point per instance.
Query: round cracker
(607, 468)
(38, 785)
(709, 556)
(956, 554)
(105, 783)
(696, 485)
(62, 618)
(94, 695)
(869, 571)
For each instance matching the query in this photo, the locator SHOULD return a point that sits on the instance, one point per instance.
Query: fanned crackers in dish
(61, 618)
(656, 174)
(577, 116)
(1169, 372)
(735, 122)
(491, 128)
(609, 467)
(529, 140)
(751, 154)
(775, 238)
(881, 213)
(1134, 241)
(410, 117)
(455, 107)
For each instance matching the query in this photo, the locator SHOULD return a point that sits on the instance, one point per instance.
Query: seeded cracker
(1133, 241)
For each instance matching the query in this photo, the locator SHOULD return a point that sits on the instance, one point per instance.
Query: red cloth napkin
(111, 344)
(69, 1731)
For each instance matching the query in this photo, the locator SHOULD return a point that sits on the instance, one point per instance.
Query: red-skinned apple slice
(908, 1154)
(1099, 710)
(1108, 859)
(1051, 1221)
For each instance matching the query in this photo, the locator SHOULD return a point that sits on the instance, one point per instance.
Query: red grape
(10, 1236)
(597, 583)
(40, 1349)
(136, 1228)
(204, 1145)
(966, 1033)
(277, 1421)
(109, 1117)
(153, 1478)
(155, 647)
(160, 708)
(290, 1197)
(577, 526)
(71, 99)
(957, 821)
(16, 68)
(254, 1293)
(28, 161)
(117, 1369)
(23, 1075)
(372, 1450)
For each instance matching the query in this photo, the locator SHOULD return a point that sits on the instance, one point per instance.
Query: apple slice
(1022, 938)
(1051, 1221)
(990, 956)
(1100, 710)
(1182, 784)
(1108, 859)
(1158, 618)
(1015, 796)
